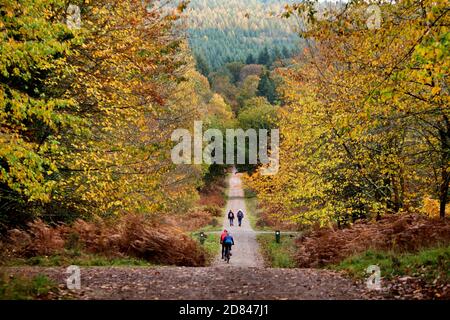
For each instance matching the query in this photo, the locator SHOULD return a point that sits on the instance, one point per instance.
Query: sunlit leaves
(366, 129)
(33, 52)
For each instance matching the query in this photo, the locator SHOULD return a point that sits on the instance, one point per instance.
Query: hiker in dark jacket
(231, 217)
(240, 216)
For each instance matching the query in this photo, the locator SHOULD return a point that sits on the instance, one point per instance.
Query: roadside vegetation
(208, 212)
(251, 209)
(85, 144)
(412, 251)
(262, 220)
(131, 239)
(432, 264)
(211, 245)
(23, 288)
(277, 255)
(424, 274)
(77, 258)
(208, 216)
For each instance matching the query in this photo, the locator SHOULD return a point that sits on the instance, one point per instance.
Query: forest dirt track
(210, 283)
(245, 252)
(244, 278)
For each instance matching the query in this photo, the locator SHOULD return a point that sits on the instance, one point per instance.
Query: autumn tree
(249, 70)
(221, 83)
(365, 129)
(257, 113)
(88, 112)
(130, 86)
(248, 89)
(267, 88)
(34, 50)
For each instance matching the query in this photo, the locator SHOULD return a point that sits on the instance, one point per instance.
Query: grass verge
(277, 255)
(251, 208)
(21, 288)
(77, 258)
(211, 244)
(428, 264)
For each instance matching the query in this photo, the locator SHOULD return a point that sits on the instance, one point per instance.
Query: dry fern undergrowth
(208, 211)
(212, 195)
(196, 218)
(399, 233)
(131, 235)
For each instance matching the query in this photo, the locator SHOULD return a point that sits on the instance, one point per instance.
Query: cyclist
(222, 236)
(240, 216)
(228, 241)
(231, 217)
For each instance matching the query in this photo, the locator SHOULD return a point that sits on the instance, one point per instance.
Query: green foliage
(258, 113)
(267, 88)
(255, 112)
(211, 245)
(233, 30)
(253, 212)
(202, 66)
(427, 263)
(277, 255)
(21, 288)
(75, 257)
(34, 49)
(264, 57)
(286, 53)
(250, 59)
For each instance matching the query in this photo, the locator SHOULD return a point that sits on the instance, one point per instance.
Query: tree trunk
(443, 192)
(445, 174)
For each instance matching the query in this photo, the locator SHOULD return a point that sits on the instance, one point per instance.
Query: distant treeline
(222, 32)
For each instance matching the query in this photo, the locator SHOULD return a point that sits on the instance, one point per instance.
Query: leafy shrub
(20, 288)
(214, 210)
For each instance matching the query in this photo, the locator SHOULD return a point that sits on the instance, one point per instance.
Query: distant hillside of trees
(224, 31)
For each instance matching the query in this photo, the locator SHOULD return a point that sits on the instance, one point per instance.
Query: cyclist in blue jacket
(228, 241)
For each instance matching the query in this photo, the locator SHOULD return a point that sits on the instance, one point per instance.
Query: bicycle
(227, 253)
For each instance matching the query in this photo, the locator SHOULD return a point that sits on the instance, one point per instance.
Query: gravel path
(246, 249)
(173, 283)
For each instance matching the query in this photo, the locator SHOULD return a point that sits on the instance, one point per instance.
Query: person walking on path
(240, 216)
(231, 218)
